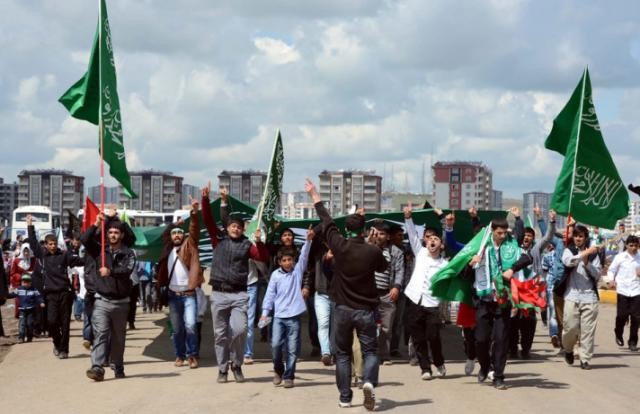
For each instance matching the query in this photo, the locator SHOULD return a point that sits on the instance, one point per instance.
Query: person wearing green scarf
(494, 267)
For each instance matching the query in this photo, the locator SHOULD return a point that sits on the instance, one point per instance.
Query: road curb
(608, 296)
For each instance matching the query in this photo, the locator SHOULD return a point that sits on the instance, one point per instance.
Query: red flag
(91, 212)
(528, 294)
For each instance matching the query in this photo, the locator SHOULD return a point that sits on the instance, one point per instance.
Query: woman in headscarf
(24, 263)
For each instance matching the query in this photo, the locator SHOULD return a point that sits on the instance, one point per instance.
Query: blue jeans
(551, 312)
(323, 307)
(25, 324)
(78, 307)
(286, 331)
(183, 315)
(252, 291)
(87, 329)
(345, 320)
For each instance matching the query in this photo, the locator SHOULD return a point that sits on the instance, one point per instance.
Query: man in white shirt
(423, 313)
(625, 274)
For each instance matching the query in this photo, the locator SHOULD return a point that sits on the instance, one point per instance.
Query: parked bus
(44, 221)
(142, 218)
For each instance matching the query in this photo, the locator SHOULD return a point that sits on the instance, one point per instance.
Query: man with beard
(423, 312)
(179, 269)
(112, 283)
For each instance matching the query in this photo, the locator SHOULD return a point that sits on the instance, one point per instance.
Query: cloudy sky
(352, 84)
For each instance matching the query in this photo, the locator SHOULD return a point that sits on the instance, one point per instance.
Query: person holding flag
(499, 259)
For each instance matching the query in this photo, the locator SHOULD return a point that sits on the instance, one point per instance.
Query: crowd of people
(366, 289)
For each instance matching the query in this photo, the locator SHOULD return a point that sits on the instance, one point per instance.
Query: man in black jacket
(57, 288)
(353, 288)
(112, 289)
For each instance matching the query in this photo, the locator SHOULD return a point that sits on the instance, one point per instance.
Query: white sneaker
(344, 404)
(442, 371)
(369, 396)
(490, 375)
(426, 376)
(469, 366)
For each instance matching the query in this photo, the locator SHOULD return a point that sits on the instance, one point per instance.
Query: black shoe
(619, 340)
(63, 355)
(222, 377)
(132, 326)
(395, 353)
(585, 365)
(96, 374)
(56, 353)
(568, 357)
(499, 384)
(513, 355)
(119, 374)
(482, 376)
(525, 355)
(237, 373)
(632, 347)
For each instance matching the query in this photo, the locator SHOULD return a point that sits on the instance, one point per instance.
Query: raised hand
(29, 220)
(537, 211)
(310, 233)
(473, 212)
(205, 191)
(450, 220)
(224, 194)
(515, 211)
(194, 204)
(552, 215)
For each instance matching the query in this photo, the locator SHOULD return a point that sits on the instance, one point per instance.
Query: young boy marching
(29, 299)
(284, 293)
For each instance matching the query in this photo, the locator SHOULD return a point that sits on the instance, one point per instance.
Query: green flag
(446, 284)
(265, 214)
(589, 186)
(94, 98)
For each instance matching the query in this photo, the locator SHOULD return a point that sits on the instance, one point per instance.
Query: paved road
(35, 381)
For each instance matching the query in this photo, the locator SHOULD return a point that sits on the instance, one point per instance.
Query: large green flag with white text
(589, 186)
(94, 98)
(266, 212)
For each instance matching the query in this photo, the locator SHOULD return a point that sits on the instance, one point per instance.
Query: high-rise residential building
(192, 191)
(297, 205)
(111, 194)
(59, 190)
(157, 191)
(8, 201)
(496, 200)
(462, 185)
(346, 188)
(247, 185)
(543, 200)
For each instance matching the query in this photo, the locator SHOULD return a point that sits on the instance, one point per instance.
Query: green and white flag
(264, 216)
(94, 98)
(447, 284)
(589, 186)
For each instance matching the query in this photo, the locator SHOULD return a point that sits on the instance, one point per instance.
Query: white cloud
(276, 51)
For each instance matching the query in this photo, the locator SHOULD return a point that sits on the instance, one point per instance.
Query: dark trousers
(424, 325)
(469, 337)
(59, 306)
(628, 307)
(313, 322)
(345, 320)
(25, 325)
(522, 329)
(492, 328)
(133, 301)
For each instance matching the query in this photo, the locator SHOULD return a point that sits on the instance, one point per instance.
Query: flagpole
(575, 154)
(101, 131)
